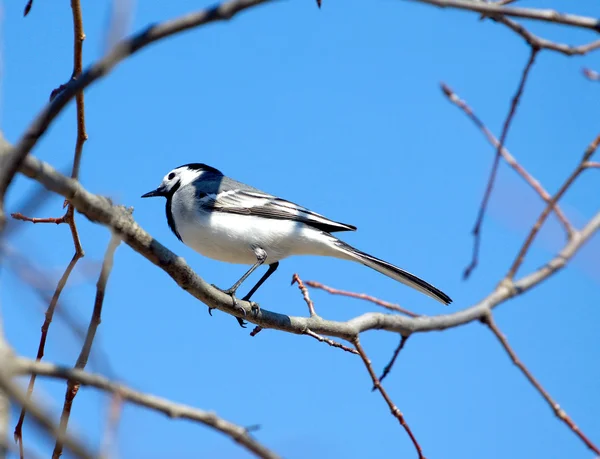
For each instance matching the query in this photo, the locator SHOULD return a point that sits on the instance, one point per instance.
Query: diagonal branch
(510, 159)
(558, 411)
(393, 408)
(72, 386)
(171, 409)
(494, 171)
(589, 151)
(535, 14)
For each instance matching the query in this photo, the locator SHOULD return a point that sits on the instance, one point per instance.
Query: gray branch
(100, 210)
(23, 366)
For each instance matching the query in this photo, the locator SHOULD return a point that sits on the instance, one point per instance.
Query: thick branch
(100, 210)
(171, 409)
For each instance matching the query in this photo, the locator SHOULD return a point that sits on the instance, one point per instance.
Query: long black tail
(394, 272)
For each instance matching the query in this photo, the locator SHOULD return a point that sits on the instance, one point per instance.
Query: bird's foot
(234, 301)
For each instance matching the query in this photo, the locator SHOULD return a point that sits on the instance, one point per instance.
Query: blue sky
(340, 110)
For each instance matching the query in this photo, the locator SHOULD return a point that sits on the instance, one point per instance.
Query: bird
(229, 221)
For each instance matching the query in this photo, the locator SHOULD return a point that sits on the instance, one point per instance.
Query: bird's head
(181, 176)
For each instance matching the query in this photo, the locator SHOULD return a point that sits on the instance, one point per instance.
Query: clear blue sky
(339, 110)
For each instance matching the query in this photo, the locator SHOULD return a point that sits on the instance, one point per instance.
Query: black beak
(154, 193)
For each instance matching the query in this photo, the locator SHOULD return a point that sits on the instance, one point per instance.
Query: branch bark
(99, 209)
(21, 366)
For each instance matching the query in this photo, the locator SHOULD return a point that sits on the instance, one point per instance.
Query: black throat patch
(170, 219)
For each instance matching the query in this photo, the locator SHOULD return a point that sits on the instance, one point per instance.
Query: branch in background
(510, 159)
(28, 6)
(109, 440)
(18, 433)
(361, 296)
(389, 366)
(173, 410)
(393, 408)
(558, 411)
(72, 386)
(69, 217)
(541, 43)
(591, 74)
(103, 67)
(589, 151)
(490, 186)
(11, 390)
(495, 10)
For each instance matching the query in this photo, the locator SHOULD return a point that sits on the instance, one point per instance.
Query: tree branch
(72, 386)
(496, 10)
(490, 186)
(171, 409)
(510, 159)
(99, 209)
(558, 411)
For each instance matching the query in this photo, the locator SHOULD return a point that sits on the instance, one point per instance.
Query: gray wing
(233, 197)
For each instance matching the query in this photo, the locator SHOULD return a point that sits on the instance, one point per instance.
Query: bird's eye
(171, 176)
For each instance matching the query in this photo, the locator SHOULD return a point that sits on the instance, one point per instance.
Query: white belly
(232, 238)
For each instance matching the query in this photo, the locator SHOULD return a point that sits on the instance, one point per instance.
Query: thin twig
(591, 165)
(329, 341)
(18, 433)
(23, 218)
(536, 41)
(169, 408)
(510, 159)
(69, 217)
(393, 408)
(72, 386)
(361, 296)
(535, 14)
(115, 409)
(591, 74)
(490, 186)
(304, 290)
(558, 411)
(589, 151)
(388, 367)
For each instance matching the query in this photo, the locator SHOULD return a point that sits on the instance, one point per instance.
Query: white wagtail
(226, 220)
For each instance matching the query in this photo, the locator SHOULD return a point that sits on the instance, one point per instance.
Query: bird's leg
(255, 307)
(261, 256)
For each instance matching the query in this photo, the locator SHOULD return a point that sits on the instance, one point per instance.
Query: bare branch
(589, 151)
(538, 42)
(494, 171)
(171, 409)
(330, 342)
(495, 10)
(389, 366)
(72, 386)
(591, 74)
(100, 210)
(510, 159)
(23, 218)
(558, 411)
(361, 296)
(393, 408)
(304, 290)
